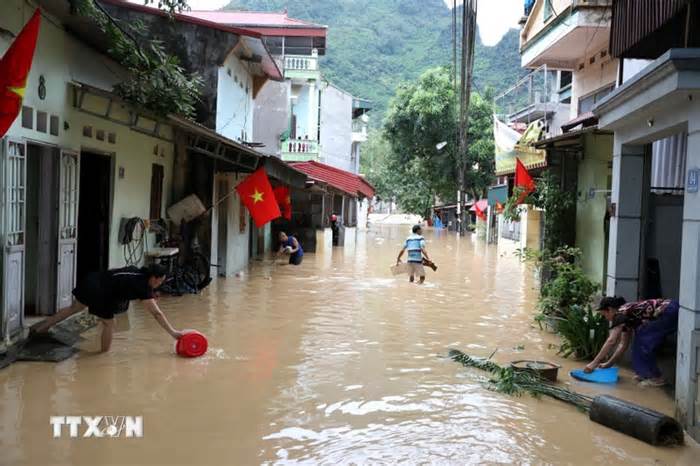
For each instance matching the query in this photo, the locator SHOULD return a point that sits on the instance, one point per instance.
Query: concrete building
(655, 116)
(237, 67)
(79, 161)
(305, 117)
(566, 42)
(329, 191)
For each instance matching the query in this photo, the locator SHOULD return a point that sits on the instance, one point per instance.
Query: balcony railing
(300, 150)
(529, 99)
(300, 63)
(359, 126)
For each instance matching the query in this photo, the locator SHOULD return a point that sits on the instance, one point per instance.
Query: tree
(422, 115)
(403, 161)
(480, 174)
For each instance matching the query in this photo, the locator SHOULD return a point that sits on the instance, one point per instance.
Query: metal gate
(15, 195)
(69, 186)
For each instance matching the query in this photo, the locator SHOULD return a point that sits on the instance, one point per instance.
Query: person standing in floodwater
(415, 245)
(290, 245)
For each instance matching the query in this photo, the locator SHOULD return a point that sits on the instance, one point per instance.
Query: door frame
(5, 249)
(112, 186)
(62, 217)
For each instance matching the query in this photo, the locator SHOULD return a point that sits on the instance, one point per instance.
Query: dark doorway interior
(94, 213)
(41, 230)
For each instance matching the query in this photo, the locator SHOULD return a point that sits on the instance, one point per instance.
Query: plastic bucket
(191, 345)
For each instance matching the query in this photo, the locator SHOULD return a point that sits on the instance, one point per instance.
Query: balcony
(301, 67)
(560, 34)
(300, 150)
(359, 130)
(539, 95)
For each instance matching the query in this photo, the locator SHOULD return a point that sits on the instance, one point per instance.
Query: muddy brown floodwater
(333, 362)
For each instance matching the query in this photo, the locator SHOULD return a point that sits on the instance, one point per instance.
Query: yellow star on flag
(17, 90)
(257, 196)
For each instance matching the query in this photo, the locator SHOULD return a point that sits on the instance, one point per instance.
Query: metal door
(15, 196)
(69, 186)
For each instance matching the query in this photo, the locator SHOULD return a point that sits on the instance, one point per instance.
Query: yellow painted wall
(593, 172)
(62, 59)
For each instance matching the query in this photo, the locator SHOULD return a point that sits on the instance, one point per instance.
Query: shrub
(565, 299)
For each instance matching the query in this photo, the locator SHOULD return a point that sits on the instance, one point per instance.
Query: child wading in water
(415, 245)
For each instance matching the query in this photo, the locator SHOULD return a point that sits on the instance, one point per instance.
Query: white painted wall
(234, 100)
(62, 59)
(237, 254)
(336, 128)
(632, 67)
(301, 110)
(362, 214)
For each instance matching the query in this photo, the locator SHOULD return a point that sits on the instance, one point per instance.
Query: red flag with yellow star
(284, 200)
(257, 195)
(14, 69)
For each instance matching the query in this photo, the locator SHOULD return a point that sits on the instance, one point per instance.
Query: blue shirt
(290, 243)
(414, 245)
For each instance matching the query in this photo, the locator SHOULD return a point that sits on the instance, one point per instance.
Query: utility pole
(469, 12)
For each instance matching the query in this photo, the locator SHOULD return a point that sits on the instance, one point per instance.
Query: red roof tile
(339, 179)
(262, 22)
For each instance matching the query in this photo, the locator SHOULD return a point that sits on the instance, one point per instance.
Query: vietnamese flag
(257, 195)
(284, 200)
(479, 211)
(523, 179)
(14, 69)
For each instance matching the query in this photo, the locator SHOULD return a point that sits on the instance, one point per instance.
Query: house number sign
(693, 180)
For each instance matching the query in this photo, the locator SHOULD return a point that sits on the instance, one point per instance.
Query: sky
(495, 17)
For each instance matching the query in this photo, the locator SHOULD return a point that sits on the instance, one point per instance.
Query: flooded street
(333, 362)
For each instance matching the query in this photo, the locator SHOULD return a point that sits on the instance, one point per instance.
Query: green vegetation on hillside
(374, 45)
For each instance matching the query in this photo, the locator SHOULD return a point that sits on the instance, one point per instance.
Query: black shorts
(295, 260)
(90, 292)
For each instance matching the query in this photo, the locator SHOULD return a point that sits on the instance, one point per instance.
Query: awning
(278, 169)
(585, 119)
(342, 180)
(481, 205)
(573, 139)
(217, 146)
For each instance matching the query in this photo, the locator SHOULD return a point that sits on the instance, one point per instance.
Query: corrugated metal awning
(633, 21)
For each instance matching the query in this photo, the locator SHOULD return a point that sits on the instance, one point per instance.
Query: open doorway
(663, 217)
(94, 213)
(41, 230)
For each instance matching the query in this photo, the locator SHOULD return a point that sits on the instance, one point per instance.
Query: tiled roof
(335, 177)
(253, 18)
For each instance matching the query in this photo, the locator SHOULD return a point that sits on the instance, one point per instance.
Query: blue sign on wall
(693, 180)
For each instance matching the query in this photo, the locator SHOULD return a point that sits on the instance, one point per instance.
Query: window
(275, 44)
(157, 175)
(586, 104)
(548, 10)
(565, 79)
